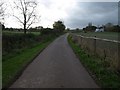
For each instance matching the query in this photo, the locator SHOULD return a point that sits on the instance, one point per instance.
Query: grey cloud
(96, 12)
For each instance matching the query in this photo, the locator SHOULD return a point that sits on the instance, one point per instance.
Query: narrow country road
(56, 67)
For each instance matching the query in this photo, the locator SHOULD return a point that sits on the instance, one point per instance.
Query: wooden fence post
(95, 45)
(118, 67)
(81, 41)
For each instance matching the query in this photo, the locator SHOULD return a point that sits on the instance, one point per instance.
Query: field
(103, 35)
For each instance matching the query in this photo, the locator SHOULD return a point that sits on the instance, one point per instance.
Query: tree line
(109, 27)
(58, 27)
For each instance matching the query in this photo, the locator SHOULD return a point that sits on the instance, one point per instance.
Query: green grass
(104, 77)
(14, 65)
(103, 35)
(14, 42)
(16, 32)
(11, 32)
(36, 33)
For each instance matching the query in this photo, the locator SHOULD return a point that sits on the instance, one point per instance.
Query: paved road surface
(56, 67)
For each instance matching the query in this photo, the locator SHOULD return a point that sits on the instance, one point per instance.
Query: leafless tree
(1, 10)
(27, 14)
(1, 15)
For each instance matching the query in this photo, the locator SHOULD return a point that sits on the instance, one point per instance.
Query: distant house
(99, 29)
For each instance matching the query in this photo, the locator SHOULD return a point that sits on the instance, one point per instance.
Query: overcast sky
(74, 13)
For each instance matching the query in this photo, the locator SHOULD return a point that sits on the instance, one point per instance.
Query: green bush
(13, 43)
(16, 41)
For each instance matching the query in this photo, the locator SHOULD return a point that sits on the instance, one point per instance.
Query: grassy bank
(13, 42)
(14, 64)
(105, 77)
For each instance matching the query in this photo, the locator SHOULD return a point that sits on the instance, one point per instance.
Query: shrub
(12, 41)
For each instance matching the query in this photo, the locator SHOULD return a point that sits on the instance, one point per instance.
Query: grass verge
(13, 67)
(104, 77)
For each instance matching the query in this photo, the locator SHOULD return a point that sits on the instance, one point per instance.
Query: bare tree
(1, 10)
(1, 15)
(27, 13)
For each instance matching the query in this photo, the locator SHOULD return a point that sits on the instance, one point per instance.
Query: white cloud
(55, 10)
